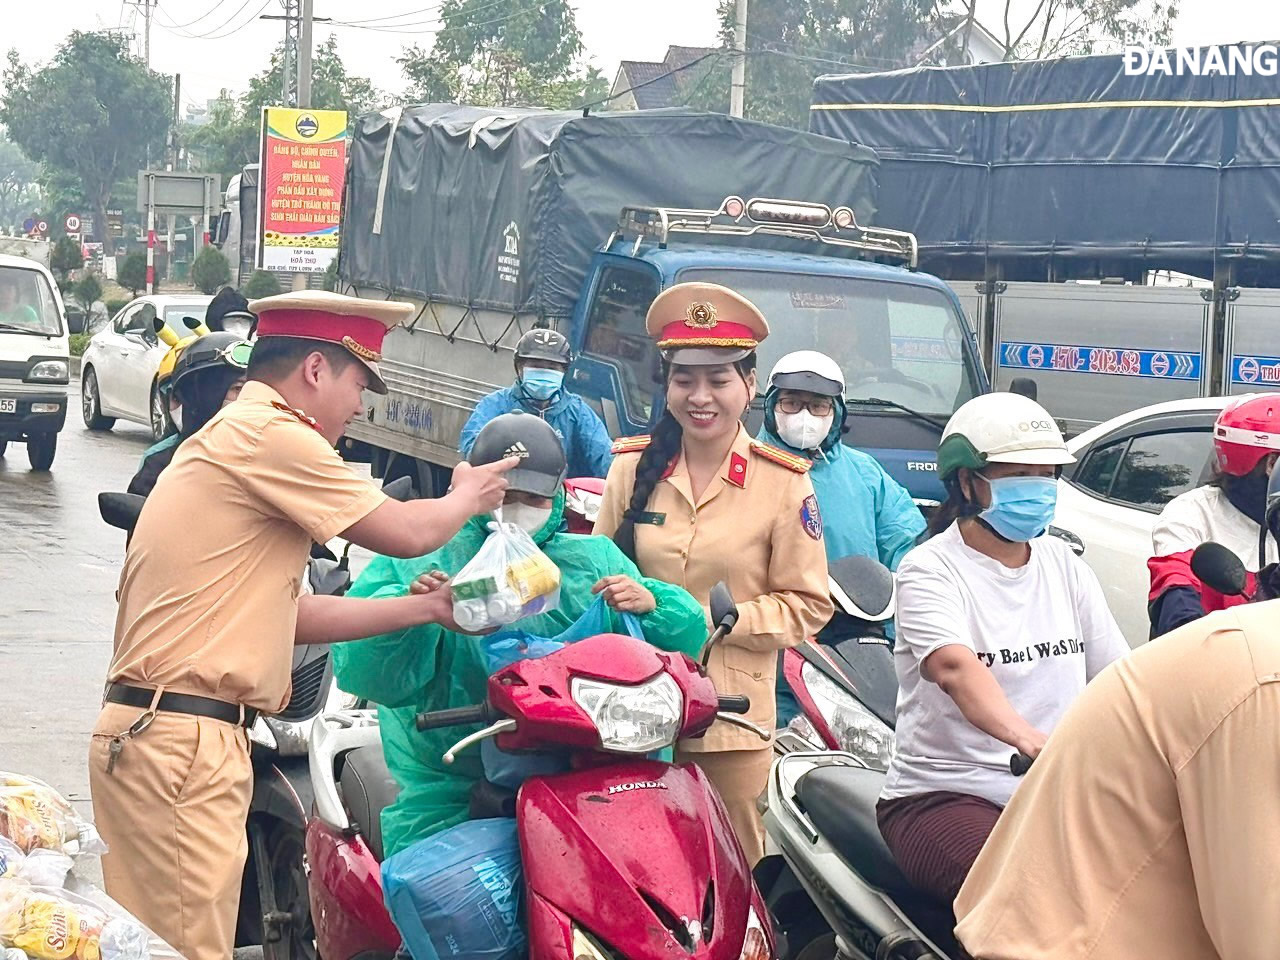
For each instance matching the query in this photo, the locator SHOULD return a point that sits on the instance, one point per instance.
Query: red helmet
(1246, 431)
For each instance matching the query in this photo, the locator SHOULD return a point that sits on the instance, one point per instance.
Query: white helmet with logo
(1000, 428)
(810, 371)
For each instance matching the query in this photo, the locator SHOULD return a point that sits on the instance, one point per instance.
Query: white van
(35, 359)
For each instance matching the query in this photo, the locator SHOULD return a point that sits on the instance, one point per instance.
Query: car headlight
(632, 719)
(49, 370)
(755, 945)
(856, 729)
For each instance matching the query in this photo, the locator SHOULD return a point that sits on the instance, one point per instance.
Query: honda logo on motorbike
(637, 785)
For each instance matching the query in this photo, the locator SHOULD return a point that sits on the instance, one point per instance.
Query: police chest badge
(811, 518)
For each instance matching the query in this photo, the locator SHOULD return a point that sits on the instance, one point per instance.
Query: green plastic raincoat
(430, 668)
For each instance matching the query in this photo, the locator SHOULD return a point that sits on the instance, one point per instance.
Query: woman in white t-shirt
(999, 629)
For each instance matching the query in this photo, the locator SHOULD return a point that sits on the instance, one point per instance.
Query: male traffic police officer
(210, 607)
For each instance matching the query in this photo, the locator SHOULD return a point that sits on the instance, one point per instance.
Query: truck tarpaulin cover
(1069, 157)
(503, 208)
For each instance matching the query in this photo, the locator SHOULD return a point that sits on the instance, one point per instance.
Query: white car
(118, 371)
(1126, 470)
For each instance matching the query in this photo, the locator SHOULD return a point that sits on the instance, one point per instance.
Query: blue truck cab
(900, 336)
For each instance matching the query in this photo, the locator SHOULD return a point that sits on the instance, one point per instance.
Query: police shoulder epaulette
(631, 444)
(296, 414)
(791, 461)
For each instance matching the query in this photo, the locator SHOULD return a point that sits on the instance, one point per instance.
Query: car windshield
(173, 317)
(899, 342)
(27, 304)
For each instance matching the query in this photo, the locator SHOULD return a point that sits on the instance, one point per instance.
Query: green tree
(19, 185)
(792, 42)
(530, 55)
(331, 280)
(132, 274)
(88, 290)
(263, 283)
(210, 271)
(91, 114)
(67, 255)
(1061, 28)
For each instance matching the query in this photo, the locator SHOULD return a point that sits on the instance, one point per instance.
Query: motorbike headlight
(632, 719)
(857, 730)
(755, 945)
(48, 370)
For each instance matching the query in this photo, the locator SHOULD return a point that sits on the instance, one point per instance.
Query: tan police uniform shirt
(757, 528)
(1150, 825)
(209, 593)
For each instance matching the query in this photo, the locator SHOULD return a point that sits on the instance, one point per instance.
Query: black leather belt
(180, 703)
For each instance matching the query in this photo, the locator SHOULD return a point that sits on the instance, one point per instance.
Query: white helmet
(1000, 428)
(810, 371)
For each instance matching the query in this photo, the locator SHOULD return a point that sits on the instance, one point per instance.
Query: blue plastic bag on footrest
(456, 895)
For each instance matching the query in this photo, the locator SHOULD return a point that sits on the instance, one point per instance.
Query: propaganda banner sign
(303, 163)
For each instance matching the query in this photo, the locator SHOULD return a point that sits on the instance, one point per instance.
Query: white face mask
(175, 414)
(527, 518)
(803, 430)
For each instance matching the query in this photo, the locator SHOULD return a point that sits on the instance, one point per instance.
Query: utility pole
(738, 82)
(170, 162)
(304, 56)
(147, 7)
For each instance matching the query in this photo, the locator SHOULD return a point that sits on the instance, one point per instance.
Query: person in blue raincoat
(542, 358)
(432, 668)
(866, 512)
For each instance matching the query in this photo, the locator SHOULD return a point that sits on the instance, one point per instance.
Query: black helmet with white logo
(542, 467)
(543, 344)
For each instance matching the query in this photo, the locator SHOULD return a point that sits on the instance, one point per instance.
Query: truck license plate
(8, 406)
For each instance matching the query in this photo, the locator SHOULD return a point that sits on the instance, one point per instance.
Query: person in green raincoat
(432, 668)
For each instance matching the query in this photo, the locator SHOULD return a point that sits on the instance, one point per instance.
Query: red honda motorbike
(624, 857)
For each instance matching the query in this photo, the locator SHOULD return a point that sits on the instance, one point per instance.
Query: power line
(395, 16)
(205, 15)
(214, 33)
(396, 29)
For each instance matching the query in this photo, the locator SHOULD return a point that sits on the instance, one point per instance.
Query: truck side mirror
(1024, 387)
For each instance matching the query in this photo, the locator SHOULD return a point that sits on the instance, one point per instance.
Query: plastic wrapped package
(40, 867)
(456, 895)
(12, 953)
(51, 924)
(34, 816)
(507, 580)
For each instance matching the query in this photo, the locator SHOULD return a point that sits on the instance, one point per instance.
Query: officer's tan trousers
(740, 776)
(173, 815)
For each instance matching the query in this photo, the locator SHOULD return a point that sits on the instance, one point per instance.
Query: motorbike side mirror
(120, 510)
(1218, 567)
(400, 489)
(1024, 387)
(724, 612)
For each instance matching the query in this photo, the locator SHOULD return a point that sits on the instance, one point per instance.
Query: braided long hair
(664, 444)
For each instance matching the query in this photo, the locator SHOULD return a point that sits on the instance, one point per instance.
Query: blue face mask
(540, 383)
(1021, 507)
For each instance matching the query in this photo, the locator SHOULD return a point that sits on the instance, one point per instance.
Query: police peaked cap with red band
(356, 324)
(705, 323)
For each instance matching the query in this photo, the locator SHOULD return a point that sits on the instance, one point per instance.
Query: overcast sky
(219, 43)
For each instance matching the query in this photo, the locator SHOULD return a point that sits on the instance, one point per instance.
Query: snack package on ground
(49, 924)
(42, 868)
(507, 580)
(34, 816)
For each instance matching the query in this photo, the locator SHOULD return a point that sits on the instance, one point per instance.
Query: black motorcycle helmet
(542, 469)
(203, 374)
(543, 344)
(226, 302)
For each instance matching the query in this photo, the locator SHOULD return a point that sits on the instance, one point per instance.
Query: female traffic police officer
(699, 501)
(210, 608)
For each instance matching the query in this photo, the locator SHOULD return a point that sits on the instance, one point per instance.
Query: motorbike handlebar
(1020, 763)
(735, 705)
(454, 717)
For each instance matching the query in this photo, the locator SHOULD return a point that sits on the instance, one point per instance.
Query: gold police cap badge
(700, 315)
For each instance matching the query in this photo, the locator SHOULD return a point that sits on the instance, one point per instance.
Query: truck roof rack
(797, 219)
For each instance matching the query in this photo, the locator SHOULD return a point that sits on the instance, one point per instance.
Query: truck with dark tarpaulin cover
(1052, 194)
(490, 221)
